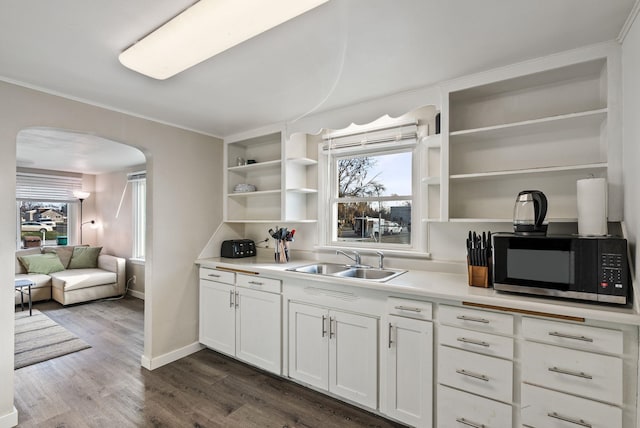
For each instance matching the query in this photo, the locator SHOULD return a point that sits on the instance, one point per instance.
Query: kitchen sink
(321, 268)
(346, 271)
(372, 274)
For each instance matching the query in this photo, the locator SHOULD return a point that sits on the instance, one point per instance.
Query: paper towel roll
(592, 206)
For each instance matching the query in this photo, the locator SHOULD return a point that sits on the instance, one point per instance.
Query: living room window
(371, 180)
(42, 208)
(138, 181)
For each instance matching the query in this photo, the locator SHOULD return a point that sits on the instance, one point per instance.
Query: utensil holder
(479, 276)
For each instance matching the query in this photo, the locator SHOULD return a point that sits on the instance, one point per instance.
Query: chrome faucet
(356, 257)
(381, 259)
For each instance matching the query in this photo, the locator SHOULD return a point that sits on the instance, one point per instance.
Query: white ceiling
(340, 53)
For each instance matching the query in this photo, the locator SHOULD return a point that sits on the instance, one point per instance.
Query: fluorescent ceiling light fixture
(206, 29)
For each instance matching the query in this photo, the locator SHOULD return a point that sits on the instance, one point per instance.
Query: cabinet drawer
(470, 410)
(550, 409)
(410, 308)
(476, 341)
(573, 335)
(578, 372)
(259, 283)
(487, 376)
(490, 322)
(217, 275)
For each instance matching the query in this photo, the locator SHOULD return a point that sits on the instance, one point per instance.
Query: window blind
(137, 176)
(393, 136)
(41, 187)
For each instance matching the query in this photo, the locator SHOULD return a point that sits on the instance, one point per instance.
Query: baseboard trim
(10, 419)
(169, 357)
(136, 294)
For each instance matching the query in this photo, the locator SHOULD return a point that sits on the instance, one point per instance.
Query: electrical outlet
(133, 279)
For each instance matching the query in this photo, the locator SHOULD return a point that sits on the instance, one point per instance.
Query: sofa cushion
(72, 279)
(63, 252)
(42, 263)
(39, 280)
(29, 251)
(84, 258)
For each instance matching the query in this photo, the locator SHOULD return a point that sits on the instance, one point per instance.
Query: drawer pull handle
(408, 308)
(570, 373)
(256, 283)
(580, 422)
(570, 336)
(213, 275)
(237, 299)
(473, 341)
(472, 374)
(468, 423)
(466, 318)
(231, 298)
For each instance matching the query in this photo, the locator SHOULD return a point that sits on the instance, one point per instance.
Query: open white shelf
(274, 164)
(530, 171)
(507, 220)
(254, 194)
(559, 123)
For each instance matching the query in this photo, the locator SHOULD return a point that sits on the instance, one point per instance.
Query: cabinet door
(410, 371)
(353, 357)
(308, 344)
(217, 316)
(258, 333)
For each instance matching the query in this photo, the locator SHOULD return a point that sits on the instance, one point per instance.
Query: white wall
(631, 136)
(184, 176)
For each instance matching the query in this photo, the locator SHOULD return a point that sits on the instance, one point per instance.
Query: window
(138, 182)
(43, 207)
(371, 180)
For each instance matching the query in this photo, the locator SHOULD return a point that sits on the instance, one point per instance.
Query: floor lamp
(81, 195)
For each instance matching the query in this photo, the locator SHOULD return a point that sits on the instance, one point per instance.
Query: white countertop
(442, 286)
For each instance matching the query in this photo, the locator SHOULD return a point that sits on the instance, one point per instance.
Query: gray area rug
(38, 338)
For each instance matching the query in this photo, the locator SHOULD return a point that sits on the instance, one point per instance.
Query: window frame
(328, 212)
(138, 183)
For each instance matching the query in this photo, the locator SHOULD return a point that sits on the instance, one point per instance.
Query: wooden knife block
(479, 276)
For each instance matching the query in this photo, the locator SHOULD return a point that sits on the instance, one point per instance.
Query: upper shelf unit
(539, 131)
(257, 162)
(284, 173)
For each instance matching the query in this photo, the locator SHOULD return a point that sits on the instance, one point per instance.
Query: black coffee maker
(529, 213)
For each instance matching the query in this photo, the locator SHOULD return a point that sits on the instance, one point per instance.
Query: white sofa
(71, 286)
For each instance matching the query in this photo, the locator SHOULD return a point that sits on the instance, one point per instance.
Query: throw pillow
(64, 253)
(42, 263)
(84, 258)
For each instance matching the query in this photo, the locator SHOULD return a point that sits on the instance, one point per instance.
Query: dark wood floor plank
(104, 386)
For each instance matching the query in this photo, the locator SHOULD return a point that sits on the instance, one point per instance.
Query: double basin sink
(349, 271)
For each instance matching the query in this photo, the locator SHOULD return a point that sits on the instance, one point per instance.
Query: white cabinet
(543, 408)
(569, 380)
(217, 316)
(334, 350)
(239, 321)
(542, 130)
(475, 366)
(458, 409)
(409, 370)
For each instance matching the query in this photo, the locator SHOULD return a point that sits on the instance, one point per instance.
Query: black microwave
(575, 267)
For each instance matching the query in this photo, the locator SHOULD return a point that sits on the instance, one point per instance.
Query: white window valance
(43, 187)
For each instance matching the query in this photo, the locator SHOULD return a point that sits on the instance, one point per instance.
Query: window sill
(370, 250)
(136, 261)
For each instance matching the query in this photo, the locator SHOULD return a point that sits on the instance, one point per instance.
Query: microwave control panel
(613, 267)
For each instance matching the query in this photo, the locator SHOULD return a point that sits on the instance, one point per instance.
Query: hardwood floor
(104, 386)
